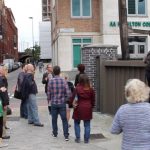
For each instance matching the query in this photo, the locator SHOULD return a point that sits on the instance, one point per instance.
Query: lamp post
(32, 38)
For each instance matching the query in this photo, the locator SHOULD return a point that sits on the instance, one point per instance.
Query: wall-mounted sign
(131, 24)
(67, 30)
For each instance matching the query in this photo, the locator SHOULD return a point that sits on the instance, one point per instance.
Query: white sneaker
(66, 139)
(3, 145)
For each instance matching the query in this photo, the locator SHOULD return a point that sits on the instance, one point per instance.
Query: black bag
(17, 94)
(9, 111)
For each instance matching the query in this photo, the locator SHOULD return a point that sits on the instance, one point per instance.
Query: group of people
(61, 97)
(132, 118)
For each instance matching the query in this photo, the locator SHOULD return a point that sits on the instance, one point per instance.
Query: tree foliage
(35, 52)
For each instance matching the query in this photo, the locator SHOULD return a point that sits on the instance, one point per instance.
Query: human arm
(76, 80)
(49, 92)
(44, 79)
(93, 98)
(116, 126)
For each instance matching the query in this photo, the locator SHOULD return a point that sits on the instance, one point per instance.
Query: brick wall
(64, 19)
(8, 42)
(89, 55)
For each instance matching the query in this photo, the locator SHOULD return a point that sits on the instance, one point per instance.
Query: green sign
(131, 24)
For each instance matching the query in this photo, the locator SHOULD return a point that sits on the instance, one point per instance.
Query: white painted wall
(110, 35)
(45, 39)
(65, 48)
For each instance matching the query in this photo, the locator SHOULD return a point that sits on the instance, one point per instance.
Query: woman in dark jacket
(5, 101)
(84, 99)
(81, 69)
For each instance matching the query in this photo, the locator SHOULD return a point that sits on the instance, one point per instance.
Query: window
(137, 46)
(78, 43)
(137, 7)
(81, 8)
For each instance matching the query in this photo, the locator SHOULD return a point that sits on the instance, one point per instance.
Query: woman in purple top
(133, 118)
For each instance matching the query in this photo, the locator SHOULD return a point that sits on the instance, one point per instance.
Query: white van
(9, 63)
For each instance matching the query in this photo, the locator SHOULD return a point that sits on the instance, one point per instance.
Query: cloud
(22, 10)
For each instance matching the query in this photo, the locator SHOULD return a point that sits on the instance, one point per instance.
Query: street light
(32, 37)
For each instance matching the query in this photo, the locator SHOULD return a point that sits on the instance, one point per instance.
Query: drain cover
(97, 136)
(13, 118)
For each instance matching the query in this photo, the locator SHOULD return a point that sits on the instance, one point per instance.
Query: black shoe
(6, 137)
(39, 125)
(30, 123)
(6, 128)
(86, 141)
(77, 140)
(55, 136)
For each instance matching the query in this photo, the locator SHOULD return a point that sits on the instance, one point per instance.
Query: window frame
(81, 10)
(136, 7)
(136, 44)
(82, 44)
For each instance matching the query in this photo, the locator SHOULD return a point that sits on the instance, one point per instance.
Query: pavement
(29, 137)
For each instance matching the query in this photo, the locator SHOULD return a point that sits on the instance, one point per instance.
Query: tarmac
(29, 137)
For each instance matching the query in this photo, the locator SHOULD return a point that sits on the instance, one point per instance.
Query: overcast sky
(22, 10)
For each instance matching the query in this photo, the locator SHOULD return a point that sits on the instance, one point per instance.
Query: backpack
(25, 88)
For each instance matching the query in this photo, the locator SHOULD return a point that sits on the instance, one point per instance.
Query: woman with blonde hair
(133, 118)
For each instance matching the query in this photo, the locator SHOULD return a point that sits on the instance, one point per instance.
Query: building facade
(8, 34)
(46, 12)
(45, 40)
(76, 23)
(45, 32)
(138, 16)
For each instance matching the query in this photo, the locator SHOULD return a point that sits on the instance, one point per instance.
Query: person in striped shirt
(133, 118)
(57, 93)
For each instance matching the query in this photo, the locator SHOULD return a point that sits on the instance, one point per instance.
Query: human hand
(5, 107)
(3, 89)
(75, 104)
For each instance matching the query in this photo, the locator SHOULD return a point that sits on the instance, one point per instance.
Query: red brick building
(8, 34)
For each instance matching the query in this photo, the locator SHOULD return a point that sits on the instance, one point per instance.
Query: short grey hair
(136, 91)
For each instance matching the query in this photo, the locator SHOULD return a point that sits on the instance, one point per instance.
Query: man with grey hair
(29, 91)
(48, 75)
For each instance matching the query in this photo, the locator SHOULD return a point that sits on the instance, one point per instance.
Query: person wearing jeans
(57, 93)
(29, 91)
(86, 129)
(59, 109)
(83, 102)
(32, 108)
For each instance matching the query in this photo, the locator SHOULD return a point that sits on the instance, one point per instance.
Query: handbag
(17, 94)
(9, 111)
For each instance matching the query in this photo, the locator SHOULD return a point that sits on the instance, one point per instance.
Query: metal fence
(111, 79)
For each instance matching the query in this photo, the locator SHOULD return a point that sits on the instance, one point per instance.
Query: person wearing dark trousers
(1, 124)
(58, 91)
(147, 69)
(48, 75)
(81, 69)
(23, 105)
(5, 99)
